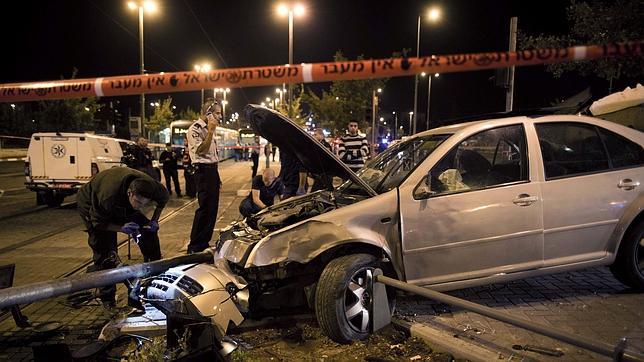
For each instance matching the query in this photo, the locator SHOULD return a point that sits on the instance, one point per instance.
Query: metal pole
(509, 95)
(429, 91)
(413, 130)
(202, 98)
(395, 124)
(576, 340)
(141, 52)
(374, 108)
(43, 290)
(290, 59)
(223, 107)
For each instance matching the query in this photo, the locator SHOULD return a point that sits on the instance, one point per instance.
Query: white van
(58, 164)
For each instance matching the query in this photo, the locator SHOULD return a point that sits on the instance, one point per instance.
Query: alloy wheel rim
(639, 255)
(357, 299)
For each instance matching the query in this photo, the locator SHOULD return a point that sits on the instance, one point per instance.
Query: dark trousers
(190, 183)
(105, 253)
(322, 182)
(208, 184)
(255, 158)
(247, 207)
(171, 173)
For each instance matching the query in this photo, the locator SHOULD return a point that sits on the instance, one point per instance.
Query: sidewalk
(83, 325)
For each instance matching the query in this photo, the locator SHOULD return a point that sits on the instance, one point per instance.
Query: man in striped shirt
(353, 149)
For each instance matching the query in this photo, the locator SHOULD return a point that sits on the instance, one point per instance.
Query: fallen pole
(43, 290)
(616, 352)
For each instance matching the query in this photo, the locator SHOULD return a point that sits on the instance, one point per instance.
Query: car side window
(487, 159)
(570, 149)
(622, 152)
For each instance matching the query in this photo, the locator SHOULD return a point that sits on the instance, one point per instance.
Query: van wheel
(628, 267)
(54, 200)
(341, 299)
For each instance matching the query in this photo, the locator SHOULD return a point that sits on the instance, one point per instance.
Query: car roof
(487, 123)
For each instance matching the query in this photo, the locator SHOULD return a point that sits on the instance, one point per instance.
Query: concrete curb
(446, 342)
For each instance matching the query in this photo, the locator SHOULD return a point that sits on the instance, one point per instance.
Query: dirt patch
(305, 342)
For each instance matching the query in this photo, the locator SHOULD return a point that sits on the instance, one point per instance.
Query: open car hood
(290, 137)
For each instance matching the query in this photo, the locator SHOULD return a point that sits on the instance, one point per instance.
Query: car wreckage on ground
(457, 206)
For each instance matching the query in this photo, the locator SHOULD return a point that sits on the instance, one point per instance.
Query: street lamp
(433, 15)
(224, 91)
(290, 10)
(374, 111)
(429, 90)
(411, 114)
(395, 123)
(202, 68)
(149, 6)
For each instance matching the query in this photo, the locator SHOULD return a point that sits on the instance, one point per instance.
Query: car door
(479, 214)
(591, 175)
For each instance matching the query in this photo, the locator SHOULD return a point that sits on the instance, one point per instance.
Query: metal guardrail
(617, 352)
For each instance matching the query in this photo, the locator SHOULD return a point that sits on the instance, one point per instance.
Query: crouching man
(263, 192)
(111, 202)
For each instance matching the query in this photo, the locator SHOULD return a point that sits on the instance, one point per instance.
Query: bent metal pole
(43, 290)
(576, 340)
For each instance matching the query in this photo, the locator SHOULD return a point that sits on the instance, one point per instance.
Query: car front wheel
(628, 267)
(342, 298)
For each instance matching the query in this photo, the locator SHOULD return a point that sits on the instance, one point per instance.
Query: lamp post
(202, 68)
(411, 114)
(433, 15)
(224, 91)
(429, 92)
(374, 111)
(149, 6)
(291, 10)
(395, 123)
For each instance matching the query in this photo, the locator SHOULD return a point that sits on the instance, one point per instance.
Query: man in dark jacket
(169, 158)
(263, 191)
(111, 202)
(140, 158)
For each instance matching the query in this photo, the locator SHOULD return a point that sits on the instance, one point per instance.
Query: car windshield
(387, 170)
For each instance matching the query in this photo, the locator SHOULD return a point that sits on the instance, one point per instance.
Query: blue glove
(153, 226)
(130, 228)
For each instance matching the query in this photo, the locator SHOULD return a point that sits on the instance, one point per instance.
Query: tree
(72, 115)
(161, 117)
(189, 114)
(596, 22)
(296, 106)
(346, 100)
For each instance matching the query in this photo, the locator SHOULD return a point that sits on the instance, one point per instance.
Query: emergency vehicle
(58, 164)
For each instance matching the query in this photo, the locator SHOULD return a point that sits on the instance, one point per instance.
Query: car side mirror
(424, 189)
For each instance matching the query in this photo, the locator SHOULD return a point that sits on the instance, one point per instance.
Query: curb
(447, 342)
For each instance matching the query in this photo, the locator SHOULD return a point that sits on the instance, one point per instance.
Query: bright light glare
(423, 74)
(282, 9)
(150, 6)
(434, 14)
(437, 75)
(379, 90)
(299, 9)
(132, 5)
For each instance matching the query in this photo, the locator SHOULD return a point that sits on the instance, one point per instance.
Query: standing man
(169, 158)
(254, 156)
(292, 174)
(203, 153)
(265, 188)
(141, 158)
(111, 202)
(322, 182)
(353, 149)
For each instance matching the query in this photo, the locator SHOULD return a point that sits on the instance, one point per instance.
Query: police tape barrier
(305, 73)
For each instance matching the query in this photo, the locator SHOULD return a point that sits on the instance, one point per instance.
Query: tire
(55, 200)
(341, 287)
(628, 267)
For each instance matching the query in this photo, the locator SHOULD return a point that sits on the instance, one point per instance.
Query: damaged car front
(316, 251)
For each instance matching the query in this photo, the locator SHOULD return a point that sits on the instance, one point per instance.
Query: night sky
(46, 40)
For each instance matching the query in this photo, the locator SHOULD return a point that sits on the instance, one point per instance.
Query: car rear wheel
(342, 298)
(628, 267)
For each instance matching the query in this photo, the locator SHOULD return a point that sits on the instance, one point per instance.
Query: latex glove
(130, 228)
(300, 191)
(153, 226)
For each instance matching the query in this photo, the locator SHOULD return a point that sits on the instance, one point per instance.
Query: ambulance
(58, 164)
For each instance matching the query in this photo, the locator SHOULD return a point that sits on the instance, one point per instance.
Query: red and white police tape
(305, 73)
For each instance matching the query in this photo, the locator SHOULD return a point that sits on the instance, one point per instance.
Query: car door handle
(525, 200)
(628, 184)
